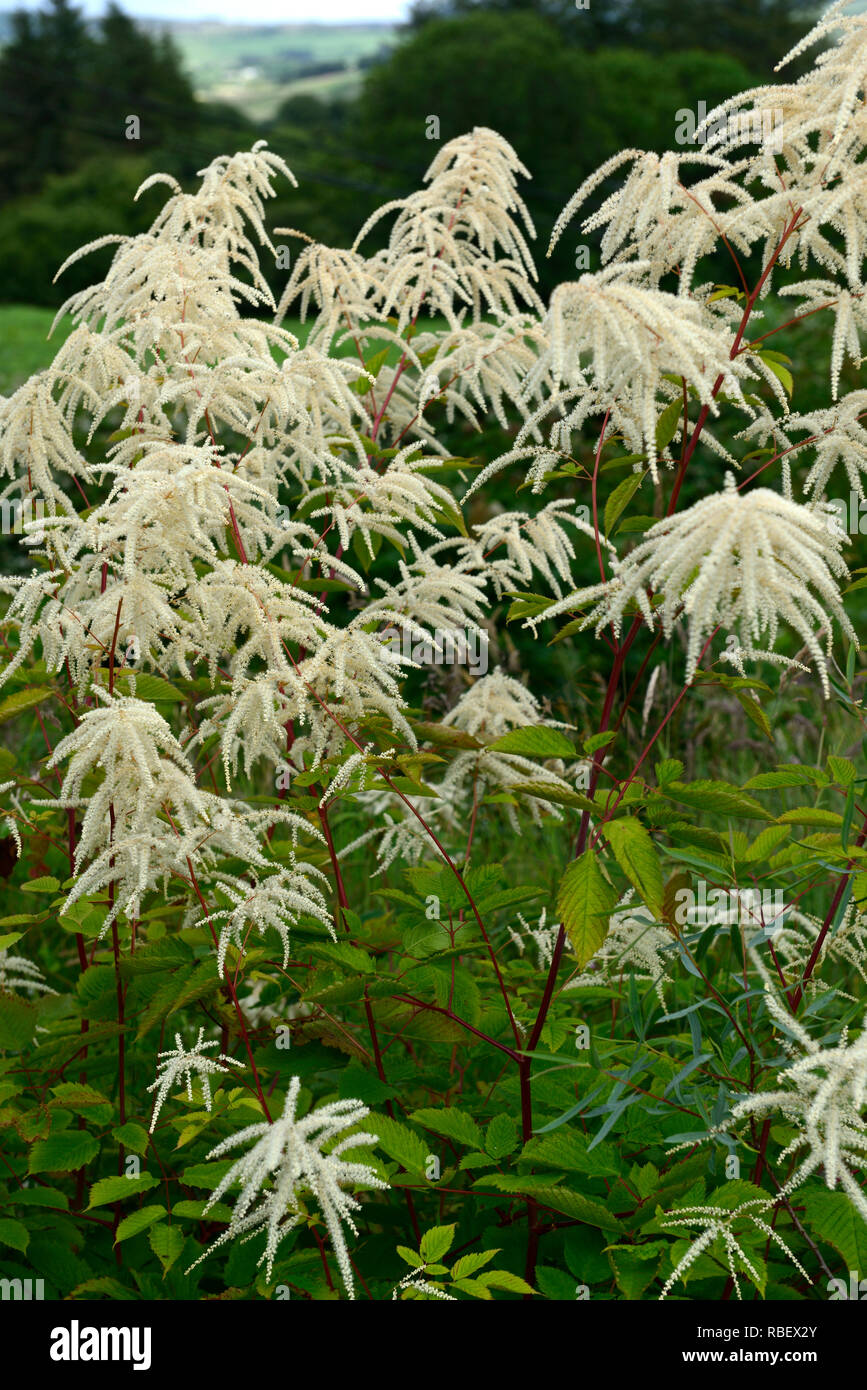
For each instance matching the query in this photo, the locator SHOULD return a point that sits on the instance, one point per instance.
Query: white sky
(250, 11)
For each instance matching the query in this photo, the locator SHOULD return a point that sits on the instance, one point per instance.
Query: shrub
(500, 994)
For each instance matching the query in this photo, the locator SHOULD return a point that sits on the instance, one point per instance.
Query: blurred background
(344, 91)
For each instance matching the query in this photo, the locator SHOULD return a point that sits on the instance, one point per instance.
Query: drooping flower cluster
(182, 1063)
(823, 1093)
(292, 1156)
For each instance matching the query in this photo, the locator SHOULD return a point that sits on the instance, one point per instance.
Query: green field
(256, 67)
(25, 347)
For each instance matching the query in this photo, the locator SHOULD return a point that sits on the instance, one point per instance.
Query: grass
(24, 344)
(25, 347)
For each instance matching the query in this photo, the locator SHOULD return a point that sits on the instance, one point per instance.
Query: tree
(564, 110)
(66, 91)
(42, 119)
(135, 74)
(757, 32)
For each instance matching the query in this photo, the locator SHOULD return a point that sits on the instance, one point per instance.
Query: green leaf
(666, 425)
(767, 842)
(538, 742)
(717, 796)
(501, 1137)
(636, 854)
(41, 1197)
(527, 606)
(410, 1257)
(789, 775)
(111, 1288)
(14, 1234)
(597, 741)
(468, 1264)
(782, 373)
(576, 1205)
(132, 1136)
(24, 699)
(832, 1217)
(63, 1152)
(398, 1141)
(585, 901)
(81, 1100)
(635, 1266)
(147, 687)
(755, 713)
(18, 1019)
(167, 1242)
(452, 1124)
(436, 1242)
(810, 815)
(46, 884)
(567, 1149)
(620, 499)
(559, 796)
(138, 1221)
(109, 1190)
(504, 1279)
(668, 770)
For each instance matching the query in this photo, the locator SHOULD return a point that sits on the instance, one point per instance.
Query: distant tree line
(567, 86)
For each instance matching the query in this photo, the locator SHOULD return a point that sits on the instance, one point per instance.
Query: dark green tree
(43, 118)
(136, 74)
(757, 32)
(564, 110)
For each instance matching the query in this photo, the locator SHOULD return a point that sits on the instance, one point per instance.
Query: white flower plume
(744, 562)
(822, 1092)
(184, 1063)
(291, 1153)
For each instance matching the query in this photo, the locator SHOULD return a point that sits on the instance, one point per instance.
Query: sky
(250, 11)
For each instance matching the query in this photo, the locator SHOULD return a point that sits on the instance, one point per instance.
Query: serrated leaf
(534, 742)
(810, 815)
(717, 796)
(14, 1234)
(63, 1152)
(832, 1217)
(45, 884)
(565, 1148)
(501, 1136)
(132, 1136)
(667, 423)
(109, 1190)
(451, 1124)
(754, 712)
(23, 700)
(167, 1242)
(138, 1221)
(18, 1018)
(468, 1264)
(634, 1267)
(636, 854)
(436, 1242)
(504, 1279)
(399, 1142)
(585, 901)
(620, 499)
(147, 687)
